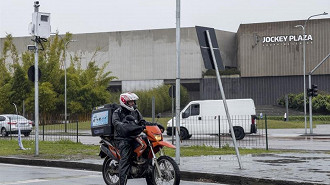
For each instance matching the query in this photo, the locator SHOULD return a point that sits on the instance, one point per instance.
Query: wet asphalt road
(33, 175)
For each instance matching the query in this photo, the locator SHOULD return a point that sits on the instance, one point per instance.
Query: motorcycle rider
(124, 129)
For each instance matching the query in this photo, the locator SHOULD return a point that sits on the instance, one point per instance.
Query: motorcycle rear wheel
(110, 171)
(170, 172)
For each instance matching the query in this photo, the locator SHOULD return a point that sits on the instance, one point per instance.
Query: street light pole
(304, 72)
(65, 99)
(36, 88)
(304, 66)
(177, 82)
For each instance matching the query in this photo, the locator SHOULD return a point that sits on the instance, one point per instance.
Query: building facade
(269, 57)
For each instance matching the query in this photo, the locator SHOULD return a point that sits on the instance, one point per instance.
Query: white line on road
(25, 181)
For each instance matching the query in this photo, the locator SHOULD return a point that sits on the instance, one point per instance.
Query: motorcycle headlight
(158, 137)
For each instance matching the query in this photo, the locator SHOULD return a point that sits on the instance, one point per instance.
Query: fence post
(266, 132)
(77, 130)
(153, 109)
(219, 131)
(43, 130)
(287, 107)
(11, 135)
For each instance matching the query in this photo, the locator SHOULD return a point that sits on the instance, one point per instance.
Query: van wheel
(239, 133)
(184, 134)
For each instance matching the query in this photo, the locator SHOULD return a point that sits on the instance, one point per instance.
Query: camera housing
(40, 25)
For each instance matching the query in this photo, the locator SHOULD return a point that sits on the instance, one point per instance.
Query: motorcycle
(144, 162)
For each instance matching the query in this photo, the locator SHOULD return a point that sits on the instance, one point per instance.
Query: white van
(202, 117)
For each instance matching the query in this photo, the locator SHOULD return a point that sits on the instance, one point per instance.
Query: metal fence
(215, 131)
(208, 130)
(51, 127)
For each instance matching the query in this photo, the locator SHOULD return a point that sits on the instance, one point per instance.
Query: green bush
(163, 101)
(114, 96)
(320, 103)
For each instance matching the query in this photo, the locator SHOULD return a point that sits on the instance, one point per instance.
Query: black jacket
(125, 128)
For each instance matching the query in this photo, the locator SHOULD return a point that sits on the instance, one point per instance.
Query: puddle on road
(319, 171)
(311, 138)
(281, 161)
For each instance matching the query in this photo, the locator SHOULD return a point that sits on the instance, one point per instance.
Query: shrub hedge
(163, 101)
(320, 103)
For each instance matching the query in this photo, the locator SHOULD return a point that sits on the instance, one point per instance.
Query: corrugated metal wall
(263, 90)
(256, 58)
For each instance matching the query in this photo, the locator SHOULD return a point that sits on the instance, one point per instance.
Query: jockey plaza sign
(286, 38)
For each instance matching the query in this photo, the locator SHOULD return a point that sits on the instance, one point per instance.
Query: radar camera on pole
(39, 28)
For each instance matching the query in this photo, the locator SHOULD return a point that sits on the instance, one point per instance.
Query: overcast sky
(82, 16)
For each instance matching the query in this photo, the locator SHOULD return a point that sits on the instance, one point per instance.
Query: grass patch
(277, 124)
(162, 121)
(302, 118)
(63, 149)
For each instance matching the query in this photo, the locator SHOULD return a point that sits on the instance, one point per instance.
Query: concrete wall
(144, 54)
(227, 42)
(140, 85)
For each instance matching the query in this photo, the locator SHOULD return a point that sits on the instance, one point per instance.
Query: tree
(86, 88)
(20, 87)
(6, 67)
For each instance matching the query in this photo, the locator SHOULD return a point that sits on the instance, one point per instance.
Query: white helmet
(128, 97)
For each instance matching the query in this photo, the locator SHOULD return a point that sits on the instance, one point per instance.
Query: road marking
(26, 181)
(49, 179)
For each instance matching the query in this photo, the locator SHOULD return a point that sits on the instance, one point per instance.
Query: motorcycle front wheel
(110, 171)
(170, 172)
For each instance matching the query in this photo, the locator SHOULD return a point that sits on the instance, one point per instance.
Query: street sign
(31, 47)
(31, 73)
(205, 48)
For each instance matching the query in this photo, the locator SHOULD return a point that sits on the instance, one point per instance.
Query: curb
(185, 175)
(52, 163)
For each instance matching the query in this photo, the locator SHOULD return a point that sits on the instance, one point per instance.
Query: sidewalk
(270, 169)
